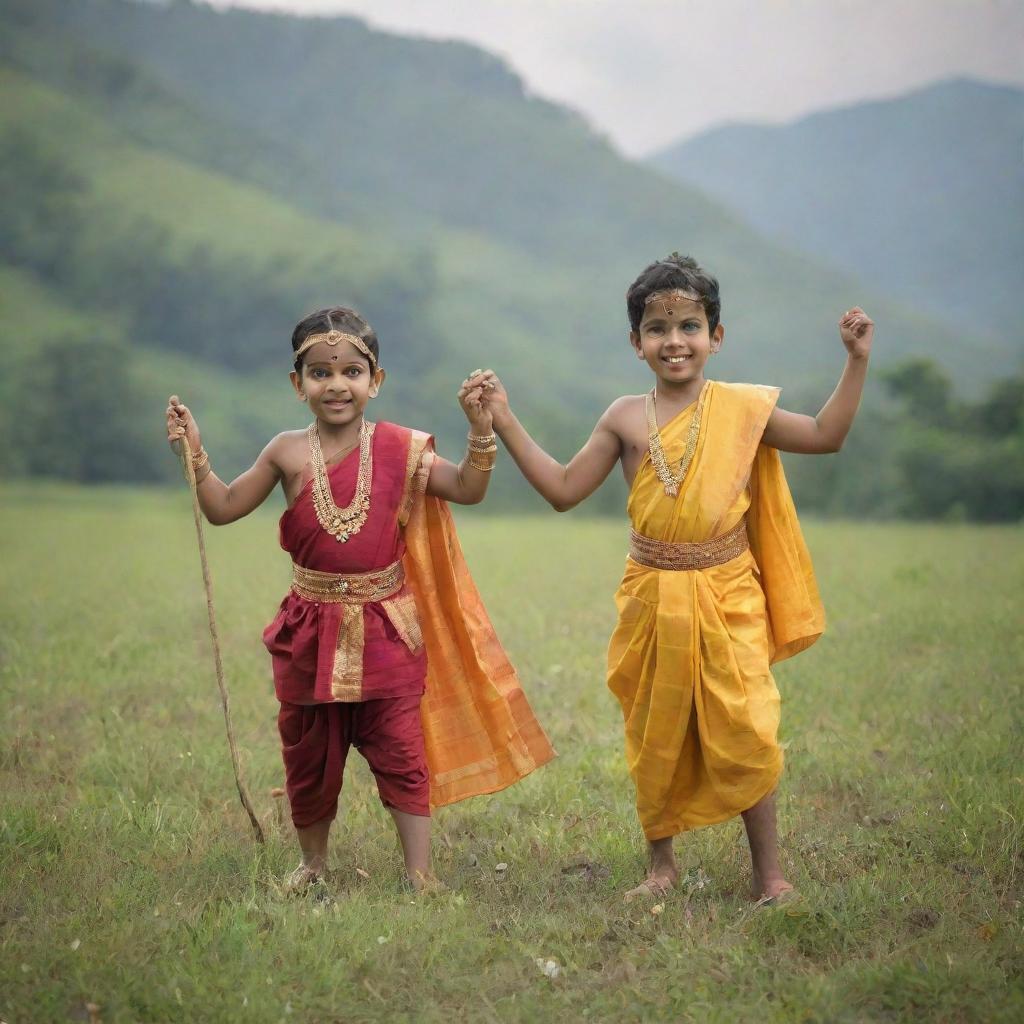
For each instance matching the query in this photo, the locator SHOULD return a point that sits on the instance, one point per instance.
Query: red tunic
(301, 639)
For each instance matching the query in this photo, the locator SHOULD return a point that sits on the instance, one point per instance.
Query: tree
(79, 416)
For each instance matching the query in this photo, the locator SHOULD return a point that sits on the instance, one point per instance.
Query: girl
(382, 609)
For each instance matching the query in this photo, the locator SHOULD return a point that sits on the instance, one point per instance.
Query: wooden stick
(225, 699)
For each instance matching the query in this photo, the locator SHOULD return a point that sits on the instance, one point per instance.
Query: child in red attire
(377, 613)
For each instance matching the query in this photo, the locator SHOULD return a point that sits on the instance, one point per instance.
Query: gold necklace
(342, 523)
(672, 480)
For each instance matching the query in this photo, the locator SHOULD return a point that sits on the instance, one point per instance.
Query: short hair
(674, 271)
(336, 318)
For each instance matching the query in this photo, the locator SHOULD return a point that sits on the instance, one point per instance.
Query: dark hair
(674, 271)
(337, 318)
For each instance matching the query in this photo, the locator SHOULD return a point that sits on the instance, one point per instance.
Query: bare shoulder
(630, 424)
(622, 413)
(625, 417)
(287, 452)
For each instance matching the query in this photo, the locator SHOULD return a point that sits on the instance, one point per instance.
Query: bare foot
(773, 890)
(301, 879)
(307, 879)
(657, 885)
(428, 885)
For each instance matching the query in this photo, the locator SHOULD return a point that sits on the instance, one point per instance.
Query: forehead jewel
(672, 295)
(334, 338)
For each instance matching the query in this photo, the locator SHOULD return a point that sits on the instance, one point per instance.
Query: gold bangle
(482, 461)
(200, 458)
(480, 444)
(199, 476)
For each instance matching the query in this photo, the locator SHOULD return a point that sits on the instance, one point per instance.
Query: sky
(646, 73)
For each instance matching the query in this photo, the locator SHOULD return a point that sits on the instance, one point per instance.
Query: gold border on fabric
(417, 470)
(351, 591)
(347, 670)
(401, 610)
(662, 554)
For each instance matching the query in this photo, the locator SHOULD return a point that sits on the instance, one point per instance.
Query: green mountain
(922, 195)
(183, 184)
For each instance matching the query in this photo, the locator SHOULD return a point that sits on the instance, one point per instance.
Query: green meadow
(131, 888)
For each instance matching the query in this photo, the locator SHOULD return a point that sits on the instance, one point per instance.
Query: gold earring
(303, 396)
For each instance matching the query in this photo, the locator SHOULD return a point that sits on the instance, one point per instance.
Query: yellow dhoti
(689, 659)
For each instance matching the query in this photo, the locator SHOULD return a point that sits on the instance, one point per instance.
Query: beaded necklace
(672, 480)
(342, 523)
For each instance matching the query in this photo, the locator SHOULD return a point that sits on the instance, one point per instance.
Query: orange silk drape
(481, 734)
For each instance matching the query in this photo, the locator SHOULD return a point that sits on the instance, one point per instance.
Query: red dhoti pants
(315, 739)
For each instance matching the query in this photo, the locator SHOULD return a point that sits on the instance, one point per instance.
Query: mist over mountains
(922, 196)
(181, 185)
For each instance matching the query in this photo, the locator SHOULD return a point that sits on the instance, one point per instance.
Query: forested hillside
(181, 185)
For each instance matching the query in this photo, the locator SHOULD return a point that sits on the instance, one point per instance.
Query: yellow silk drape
(689, 658)
(481, 734)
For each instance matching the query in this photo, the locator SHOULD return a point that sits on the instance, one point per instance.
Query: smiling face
(674, 338)
(337, 382)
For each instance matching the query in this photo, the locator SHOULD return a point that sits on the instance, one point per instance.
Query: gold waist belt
(347, 588)
(352, 591)
(662, 554)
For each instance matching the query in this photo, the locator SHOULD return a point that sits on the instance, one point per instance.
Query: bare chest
(294, 480)
(296, 468)
(634, 448)
(633, 431)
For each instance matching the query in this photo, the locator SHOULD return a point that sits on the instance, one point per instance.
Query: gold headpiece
(671, 295)
(332, 338)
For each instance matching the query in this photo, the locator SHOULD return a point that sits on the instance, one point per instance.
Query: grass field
(131, 889)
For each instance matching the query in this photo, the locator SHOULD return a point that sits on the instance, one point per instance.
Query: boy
(718, 584)
(381, 605)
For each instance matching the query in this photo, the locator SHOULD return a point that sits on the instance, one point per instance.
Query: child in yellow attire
(718, 584)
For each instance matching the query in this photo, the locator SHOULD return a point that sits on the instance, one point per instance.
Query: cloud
(651, 71)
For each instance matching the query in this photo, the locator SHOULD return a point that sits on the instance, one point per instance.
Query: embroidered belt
(353, 590)
(662, 554)
(347, 588)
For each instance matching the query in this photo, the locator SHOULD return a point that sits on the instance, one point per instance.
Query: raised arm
(466, 483)
(223, 503)
(563, 487)
(815, 435)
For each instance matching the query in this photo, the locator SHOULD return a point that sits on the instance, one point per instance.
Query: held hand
(479, 416)
(495, 396)
(857, 330)
(181, 423)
